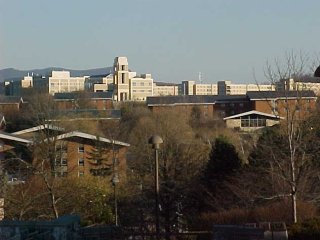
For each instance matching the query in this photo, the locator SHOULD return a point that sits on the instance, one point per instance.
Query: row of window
(141, 84)
(64, 174)
(231, 105)
(253, 122)
(142, 91)
(64, 162)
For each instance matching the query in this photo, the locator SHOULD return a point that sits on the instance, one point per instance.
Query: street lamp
(156, 140)
(115, 180)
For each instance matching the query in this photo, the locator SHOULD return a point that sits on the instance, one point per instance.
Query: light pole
(156, 140)
(115, 181)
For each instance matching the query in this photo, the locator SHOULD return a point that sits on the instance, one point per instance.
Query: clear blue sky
(171, 39)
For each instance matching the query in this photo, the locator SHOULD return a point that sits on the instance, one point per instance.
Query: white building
(61, 81)
(307, 83)
(165, 89)
(205, 89)
(128, 86)
(227, 88)
(58, 82)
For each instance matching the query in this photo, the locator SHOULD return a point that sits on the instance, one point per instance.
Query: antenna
(200, 78)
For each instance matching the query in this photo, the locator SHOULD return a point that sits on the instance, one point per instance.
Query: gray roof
(77, 95)
(192, 99)
(166, 84)
(10, 99)
(263, 95)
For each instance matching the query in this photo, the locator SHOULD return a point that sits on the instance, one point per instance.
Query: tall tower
(121, 79)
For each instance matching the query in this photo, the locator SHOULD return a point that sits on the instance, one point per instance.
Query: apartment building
(205, 89)
(306, 83)
(83, 100)
(10, 104)
(222, 88)
(227, 88)
(74, 151)
(222, 106)
(165, 89)
(58, 82)
(141, 87)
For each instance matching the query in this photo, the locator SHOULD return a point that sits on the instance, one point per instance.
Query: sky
(173, 40)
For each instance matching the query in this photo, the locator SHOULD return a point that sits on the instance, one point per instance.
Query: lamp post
(115, 181)
(156, 140)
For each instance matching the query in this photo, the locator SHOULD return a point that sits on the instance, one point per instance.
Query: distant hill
(12, 74)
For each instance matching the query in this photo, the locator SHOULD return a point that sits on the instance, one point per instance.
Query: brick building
(75, 152)
(213, 106)
(83, 100)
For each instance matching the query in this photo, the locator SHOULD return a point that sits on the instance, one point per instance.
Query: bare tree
(287, 157)
(180, 160)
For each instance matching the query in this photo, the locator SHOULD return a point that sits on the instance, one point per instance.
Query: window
(81, 173)
(253, 121)
(81, 148)
(81, 162)
(134, 84)
(240, 104)
(142, 84)
(64, 162)
(123, 77)
(123, 67)
(61, 174)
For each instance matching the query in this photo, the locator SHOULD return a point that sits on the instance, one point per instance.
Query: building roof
(77, 95)
(101, 75)
(308, 79)
(165, 84)
(317, 72)
(10, 99)
(90, 137)
(38, 128)
(191, 99)
(251, 113)
(12, 137)
(263, 95)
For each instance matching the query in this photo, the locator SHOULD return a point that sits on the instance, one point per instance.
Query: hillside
(12, 74)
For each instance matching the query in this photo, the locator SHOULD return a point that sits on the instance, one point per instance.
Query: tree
(99, 158)
(180, 159)
(286, 157)
(224, 162)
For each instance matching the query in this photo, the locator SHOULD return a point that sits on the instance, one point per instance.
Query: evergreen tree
(223, 163)
(98, 158)
(223, 160)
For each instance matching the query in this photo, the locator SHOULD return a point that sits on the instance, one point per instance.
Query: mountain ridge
(13, 74)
